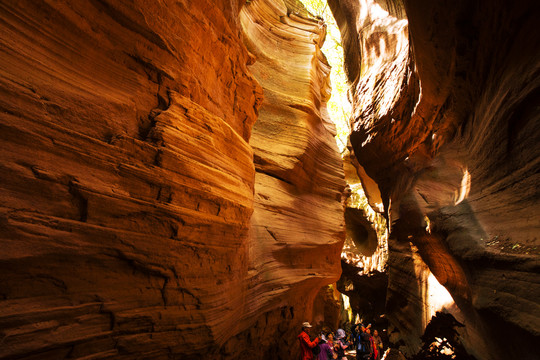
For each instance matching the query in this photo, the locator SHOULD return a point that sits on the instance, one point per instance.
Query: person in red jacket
(305, 343)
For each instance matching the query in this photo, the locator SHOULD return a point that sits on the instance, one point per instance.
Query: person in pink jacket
(327, 353)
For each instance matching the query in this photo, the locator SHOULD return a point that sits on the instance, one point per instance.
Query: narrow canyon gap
(171, 187)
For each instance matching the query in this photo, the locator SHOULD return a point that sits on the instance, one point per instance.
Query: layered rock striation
(128, 178)
(133, 221)
(298, 218)
(444, 123)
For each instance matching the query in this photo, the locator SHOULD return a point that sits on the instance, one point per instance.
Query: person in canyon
(341, 344)
(377, 345)
(327, 352)
(305, 342)
(371, 347)
(330, 339)
(364, 349)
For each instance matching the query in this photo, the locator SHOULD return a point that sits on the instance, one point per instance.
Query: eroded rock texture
(128, 181)
(298, 215)
(447, 124)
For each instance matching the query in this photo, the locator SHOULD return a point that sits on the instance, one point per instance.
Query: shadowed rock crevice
(367, 292)
(360, 231)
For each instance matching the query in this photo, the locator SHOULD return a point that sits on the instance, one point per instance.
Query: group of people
(333, 346)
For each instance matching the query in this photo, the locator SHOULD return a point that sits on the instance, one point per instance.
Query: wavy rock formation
(298, 219)
(445, 123)
(134, 224)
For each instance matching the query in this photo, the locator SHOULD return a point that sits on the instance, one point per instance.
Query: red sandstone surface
(127, 206)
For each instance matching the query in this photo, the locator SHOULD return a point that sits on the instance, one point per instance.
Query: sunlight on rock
(434, 296)
(347, 306)
(440, 344)
(339, 107)
(428, 224)
(465, 186)
(377, 53)
(437, 297)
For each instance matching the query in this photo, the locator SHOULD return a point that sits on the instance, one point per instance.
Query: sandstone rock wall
(128, 183)
(445, 124)
(298, 219)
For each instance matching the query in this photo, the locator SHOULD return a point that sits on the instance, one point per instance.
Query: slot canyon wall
(170, 183)
(446, 132)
